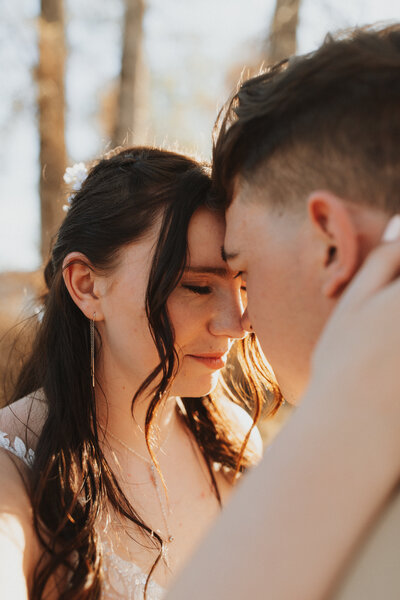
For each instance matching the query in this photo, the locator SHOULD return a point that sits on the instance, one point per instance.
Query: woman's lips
(212, 361)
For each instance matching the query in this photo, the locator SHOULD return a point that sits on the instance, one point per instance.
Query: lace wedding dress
(123, 580)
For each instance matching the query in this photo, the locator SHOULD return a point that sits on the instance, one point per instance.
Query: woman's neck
(114, 409)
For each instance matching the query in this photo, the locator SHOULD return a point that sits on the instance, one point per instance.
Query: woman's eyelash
(198, 289)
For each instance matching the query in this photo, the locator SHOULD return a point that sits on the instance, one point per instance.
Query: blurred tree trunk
(51, 101)
(133, 34)
(281, 41)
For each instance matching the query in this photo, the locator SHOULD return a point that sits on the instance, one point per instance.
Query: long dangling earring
(92, 347)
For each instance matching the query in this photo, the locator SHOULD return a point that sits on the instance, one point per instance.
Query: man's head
(307, 160)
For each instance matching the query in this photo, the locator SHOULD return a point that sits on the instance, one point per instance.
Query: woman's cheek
(181, 312)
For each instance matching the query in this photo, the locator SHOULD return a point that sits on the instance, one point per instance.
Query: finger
(380, 268)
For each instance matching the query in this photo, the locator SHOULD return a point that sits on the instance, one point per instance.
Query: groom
(307, 161)
(307, 165)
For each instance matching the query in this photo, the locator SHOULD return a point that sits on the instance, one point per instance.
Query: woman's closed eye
(198, 289)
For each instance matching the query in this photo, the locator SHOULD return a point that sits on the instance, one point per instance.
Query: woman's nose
(227, 320)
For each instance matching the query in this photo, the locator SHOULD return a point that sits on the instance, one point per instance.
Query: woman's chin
(195, 386)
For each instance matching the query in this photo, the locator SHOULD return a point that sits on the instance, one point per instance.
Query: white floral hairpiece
(74, 176)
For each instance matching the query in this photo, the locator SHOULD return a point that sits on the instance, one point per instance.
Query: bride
(117, 453)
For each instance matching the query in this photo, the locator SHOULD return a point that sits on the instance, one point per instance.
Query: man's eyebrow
(228, 255)
(220, 271)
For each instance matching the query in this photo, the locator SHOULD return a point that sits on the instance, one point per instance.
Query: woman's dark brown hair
(71, 481)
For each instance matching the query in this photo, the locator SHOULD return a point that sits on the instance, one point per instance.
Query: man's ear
(331, 218)
(82, 284)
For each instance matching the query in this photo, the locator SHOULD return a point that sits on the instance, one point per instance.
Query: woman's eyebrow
(220, 271)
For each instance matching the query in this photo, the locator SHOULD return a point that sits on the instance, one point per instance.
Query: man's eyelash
(198, 289)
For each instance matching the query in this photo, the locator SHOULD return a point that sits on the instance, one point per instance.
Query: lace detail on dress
(122, 579)
(125, 580)
(17, 448)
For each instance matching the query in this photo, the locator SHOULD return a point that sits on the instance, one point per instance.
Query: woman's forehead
(206, 237)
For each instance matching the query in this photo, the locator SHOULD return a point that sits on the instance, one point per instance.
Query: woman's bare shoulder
(18, 543)
(24, 418)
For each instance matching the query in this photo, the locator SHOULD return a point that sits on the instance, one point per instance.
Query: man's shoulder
(374, 571)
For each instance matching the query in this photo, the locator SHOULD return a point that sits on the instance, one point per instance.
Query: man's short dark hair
(326, 120)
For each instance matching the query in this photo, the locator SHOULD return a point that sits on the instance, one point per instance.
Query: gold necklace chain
(154, 479)
(146, 460)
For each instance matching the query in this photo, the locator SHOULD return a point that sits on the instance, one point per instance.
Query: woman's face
(205, 310)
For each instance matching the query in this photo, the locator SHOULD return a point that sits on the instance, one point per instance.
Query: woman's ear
(332, 219)
(82, 285)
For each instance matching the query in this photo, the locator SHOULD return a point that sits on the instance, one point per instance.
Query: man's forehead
(238, 212)
(246, 217)
(235, 231)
